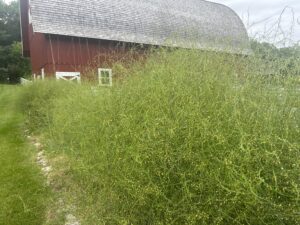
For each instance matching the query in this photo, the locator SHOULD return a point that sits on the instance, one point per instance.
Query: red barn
(73, 35)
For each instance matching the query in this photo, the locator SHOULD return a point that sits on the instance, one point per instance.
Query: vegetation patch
(23, 195)
(187, 137)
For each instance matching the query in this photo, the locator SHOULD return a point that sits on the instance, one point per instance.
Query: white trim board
(68, 76)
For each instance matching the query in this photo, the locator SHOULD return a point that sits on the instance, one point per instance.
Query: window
(105, 77)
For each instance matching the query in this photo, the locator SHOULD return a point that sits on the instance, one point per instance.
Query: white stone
(47, 169)
(38, 145)
(71, 220)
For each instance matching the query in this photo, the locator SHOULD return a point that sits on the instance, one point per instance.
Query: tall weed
(187, 138)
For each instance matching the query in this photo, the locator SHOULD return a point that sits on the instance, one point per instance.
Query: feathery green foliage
(187, 138)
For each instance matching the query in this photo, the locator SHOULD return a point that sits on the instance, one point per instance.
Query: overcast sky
(276, 21)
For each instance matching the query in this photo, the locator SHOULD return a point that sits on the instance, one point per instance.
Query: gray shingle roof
(182, 23)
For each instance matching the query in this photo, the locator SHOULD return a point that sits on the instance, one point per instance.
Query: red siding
(74, 54)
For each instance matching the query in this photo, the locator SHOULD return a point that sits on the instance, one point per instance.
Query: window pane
(105, 77)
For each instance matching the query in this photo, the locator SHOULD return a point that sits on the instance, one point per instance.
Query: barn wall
(73, 54)
(38, 51)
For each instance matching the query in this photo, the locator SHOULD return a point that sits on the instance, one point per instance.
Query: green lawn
(22, 190)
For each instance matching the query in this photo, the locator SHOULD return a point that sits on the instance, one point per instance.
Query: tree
(280, 61)
(12, 64)
(9, 23)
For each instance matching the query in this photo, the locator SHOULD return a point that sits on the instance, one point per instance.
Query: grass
(185, 138)
(22, 193)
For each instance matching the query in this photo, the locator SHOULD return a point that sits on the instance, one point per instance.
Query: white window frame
(100, 70)
(68, 76)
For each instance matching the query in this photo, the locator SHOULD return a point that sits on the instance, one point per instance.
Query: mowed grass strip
(22, 190)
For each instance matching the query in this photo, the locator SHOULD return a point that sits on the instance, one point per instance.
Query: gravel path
(46, 168)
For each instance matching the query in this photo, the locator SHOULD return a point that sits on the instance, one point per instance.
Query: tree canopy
(9, 23)
(280, 61)
(12, 64)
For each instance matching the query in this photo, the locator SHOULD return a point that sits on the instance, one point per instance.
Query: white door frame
(68, 76)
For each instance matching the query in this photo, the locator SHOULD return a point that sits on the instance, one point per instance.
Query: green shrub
(188, 138)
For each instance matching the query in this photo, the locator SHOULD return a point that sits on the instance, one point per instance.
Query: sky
(275, 21)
